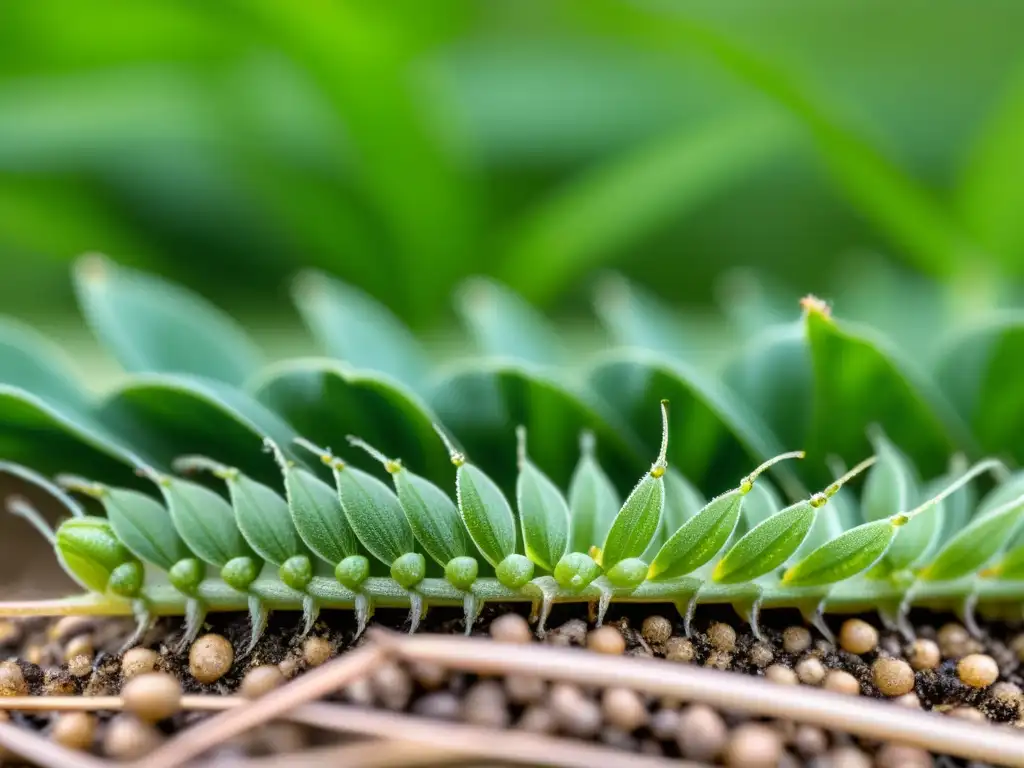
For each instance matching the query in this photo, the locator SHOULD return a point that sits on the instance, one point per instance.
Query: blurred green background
(714, 153)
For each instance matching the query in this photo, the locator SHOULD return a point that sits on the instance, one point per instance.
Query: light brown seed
(607, 639)
(537, 719)
(441, 705)
(902, 756)
(78, 646)
(810, 670)
(702, 733)
(392, 686)
(289, 667)
(152, 696)
(796, 639)
(954, 641)
(138, 661)
(680, 649)
(485, 705)
(74, 730)
(719, 660)
(722, 637)
(777, 673)
(753, 746)
(847, 757)
(316, 651)
(69, 626)
(924, 654)
(892, 677)
(575, 714)
(665, 724)
(511, 628)
(761, 654)
(656, 629)
(261, 680)
(210, 658)
(10, 633)
(127, 738)
(859, 637)
(623, 709)
(12, 681)
(838, 681)
(80, 666)
(810, 741)
(525, 689)
(977, 670)
(431, 676)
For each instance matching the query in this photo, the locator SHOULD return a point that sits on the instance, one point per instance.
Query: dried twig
(738, 693)
(40, 751)
(319, 682)
(503, 745)
(381, 753)
(194, 703)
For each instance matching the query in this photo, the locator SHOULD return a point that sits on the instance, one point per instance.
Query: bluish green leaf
(543, 512)
(486, 513)
(374, 513)
(32, 362)
(636, 319)
(593, 500)
(204, 520)
(975, 545)
(151, 325)
(352, 326)
(144, 526)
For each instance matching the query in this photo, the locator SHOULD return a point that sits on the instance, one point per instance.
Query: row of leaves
(197, 386)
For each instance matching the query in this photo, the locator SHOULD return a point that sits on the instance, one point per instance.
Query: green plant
(304, 528)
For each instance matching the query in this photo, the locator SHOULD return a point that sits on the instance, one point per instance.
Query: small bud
(352, 572)
(296, 572)
(628, 574)
(461, 572)
(575, 571)
(409, 569)
(239, 572)
(514, 571)
(186, 576)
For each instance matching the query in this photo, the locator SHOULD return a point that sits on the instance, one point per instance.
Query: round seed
(259, 681)
(74, 730)
(796, 639)
(316, 651)
(138, 661)
(847, 757)
(623, 709)
(722, 636)
(838, 681)
(977, 670)
(210, 658)
(777, 673)
(80, 666)
(392, 686)
(78, 646)
(525, 689)
(761, 655)
(656, 629)
(152, 696)
(289, 667)
(69, 626)
(537, 719)
(441, 705)
(10, 633)
(127, 738)
(511, 628)
(680, 649)
(892, 677)
(702, 733)
(902, 756)
(430, 676)
(810, 741)
(753, 746)
(955, 641)
(12, 681)
(607, 640)
(575, 713)
(810, 670)
(859, 637)
(485, 705)
(924, 654)
(665, 724)
(1007, 694)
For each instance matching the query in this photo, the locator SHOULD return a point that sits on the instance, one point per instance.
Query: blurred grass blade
(593, 499)
(899, 206)
(32, 362)
(635, 318)
(354, 327)
(324, 400)
(503, 324)
(153, 326)
(599, 216)
(170, 416)
(859, 379)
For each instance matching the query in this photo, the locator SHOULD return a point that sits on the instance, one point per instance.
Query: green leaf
(634, 318)
(204, 520)
(317, 514)
(710, 431)
(263, 518)
(504, 325)
(352, 326)
(543, 512)
(503, 394)
(144, 526)
(325, 400)
(32, 362)
(374, 513)
(701, 537)
(486, 513)
(593, 500)
(171, 416)
(978, 370)
(1008, 490)
(976, 544)
(635, 194)
(432, 515)
(1010, 566)
(891, 484)
(915, 539)
(766, 546)
(859, 379)
(761, 503)
(36, 482)
(151, 325)
(852, 552)
(682, 501)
